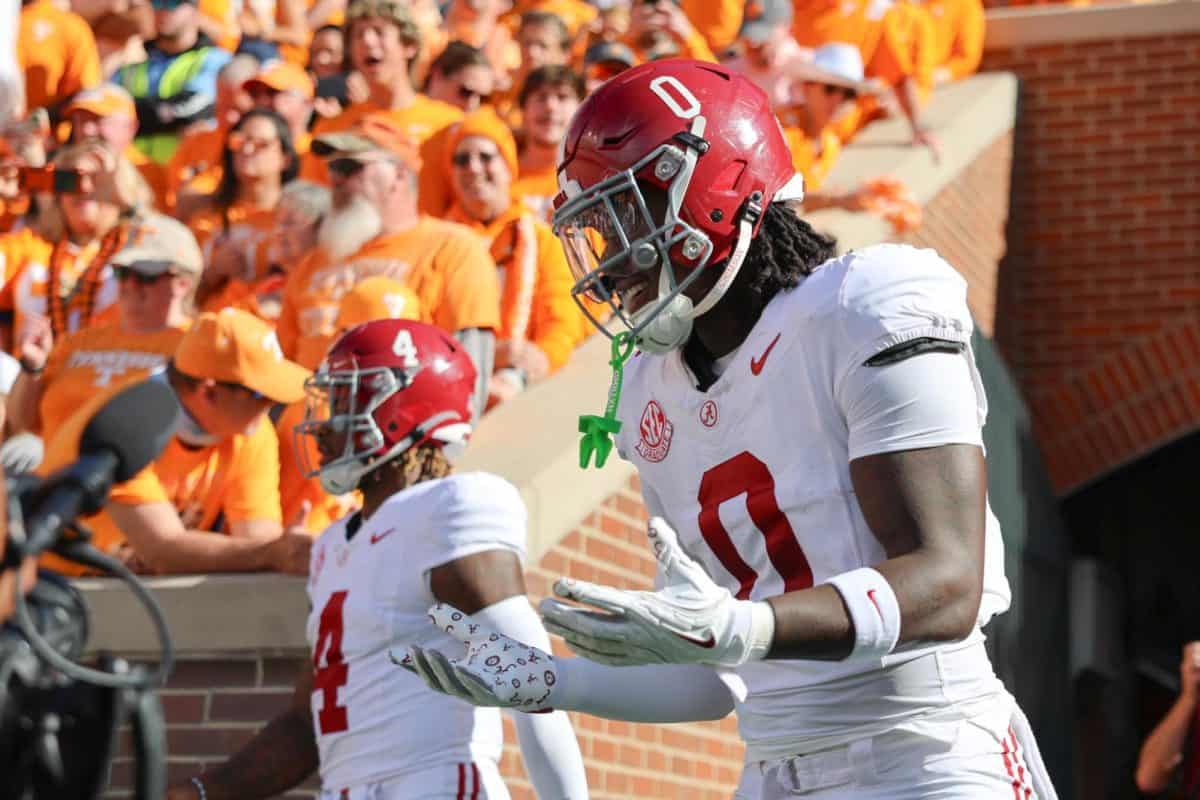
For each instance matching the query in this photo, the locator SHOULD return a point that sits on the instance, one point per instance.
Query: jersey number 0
(744, 474)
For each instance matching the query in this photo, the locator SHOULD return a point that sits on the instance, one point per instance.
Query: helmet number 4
(676, 96)
(406, 349)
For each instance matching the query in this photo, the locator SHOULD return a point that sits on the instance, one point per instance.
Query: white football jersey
(754, 476)
(369, 591)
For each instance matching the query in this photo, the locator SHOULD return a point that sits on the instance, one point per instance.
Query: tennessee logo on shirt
(655, 431)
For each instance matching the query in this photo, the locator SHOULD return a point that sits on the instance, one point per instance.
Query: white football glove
(495, 671)
(690, 620)
(22, 453)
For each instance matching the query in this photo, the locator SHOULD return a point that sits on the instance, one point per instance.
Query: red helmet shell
(440, 377)
(648, 106)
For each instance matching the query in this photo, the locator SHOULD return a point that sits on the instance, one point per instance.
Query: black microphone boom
(124, 436)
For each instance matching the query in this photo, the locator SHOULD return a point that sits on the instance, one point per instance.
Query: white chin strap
(672, 326)
(343, 477)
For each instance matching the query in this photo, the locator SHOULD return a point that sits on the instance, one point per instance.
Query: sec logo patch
(655, 432)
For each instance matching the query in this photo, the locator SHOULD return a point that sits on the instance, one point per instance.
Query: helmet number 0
(677, 97)
(406, 349)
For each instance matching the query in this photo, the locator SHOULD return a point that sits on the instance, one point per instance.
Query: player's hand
(690, 620)
(1189, 671)
(496, 670)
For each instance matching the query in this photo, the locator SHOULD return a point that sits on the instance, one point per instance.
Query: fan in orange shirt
(660, 27)
(549, 98)
(57, 53)
(539, 323)
(257, 163)
(194, 170)
(545, 41)
(477, 23)
(899, 61)
(107, 113)
(210, 501)
(382, 42)
(461, 76)
(157, 271)
(374, 229)
(76, 238)
(958, 27)
(287, 90)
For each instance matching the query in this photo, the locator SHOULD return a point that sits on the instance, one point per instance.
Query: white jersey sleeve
(891, 296)
(476, 512)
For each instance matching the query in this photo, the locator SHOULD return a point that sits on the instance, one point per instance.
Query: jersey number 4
(330, 670)
(746, 475)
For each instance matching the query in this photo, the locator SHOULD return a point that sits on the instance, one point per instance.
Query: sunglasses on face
(464, 159)
(345, 167)
(168, 5)
(240, 141)
(467, 93)
(143, 278)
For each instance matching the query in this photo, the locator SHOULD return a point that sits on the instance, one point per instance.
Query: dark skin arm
(926, 507)
(474, 582)
(281, 756)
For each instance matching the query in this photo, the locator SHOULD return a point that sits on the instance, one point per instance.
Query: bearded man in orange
(382, 43)
(539, 323)
(374, 228)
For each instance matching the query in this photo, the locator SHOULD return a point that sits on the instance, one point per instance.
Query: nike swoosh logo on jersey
(756, 364)
(379, 537)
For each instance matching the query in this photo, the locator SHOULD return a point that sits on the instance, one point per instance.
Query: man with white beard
(374, 228)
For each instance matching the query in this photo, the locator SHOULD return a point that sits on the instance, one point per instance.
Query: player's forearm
(1162, 751)
(938, 597)
(658, 693)
(281, 756)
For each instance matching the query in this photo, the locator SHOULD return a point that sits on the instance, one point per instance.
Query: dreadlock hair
(785, 250)
(424, 462)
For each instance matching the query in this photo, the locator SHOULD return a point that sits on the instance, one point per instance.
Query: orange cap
(370, 133)
(379, 297)
(282, 76)
(234, 346)
(105, 100)
(486, 123)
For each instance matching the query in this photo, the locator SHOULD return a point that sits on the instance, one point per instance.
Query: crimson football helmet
(385, 386)
(674, 163)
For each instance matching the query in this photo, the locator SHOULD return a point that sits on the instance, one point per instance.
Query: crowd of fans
(209, 191)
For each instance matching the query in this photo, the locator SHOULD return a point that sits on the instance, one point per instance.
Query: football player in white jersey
(388, 408)
(807, 430)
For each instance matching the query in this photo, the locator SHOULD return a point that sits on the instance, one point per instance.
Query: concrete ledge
(206, 615)
(1060, 24)
(967, 116)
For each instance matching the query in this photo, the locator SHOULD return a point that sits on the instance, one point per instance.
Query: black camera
(59, 718)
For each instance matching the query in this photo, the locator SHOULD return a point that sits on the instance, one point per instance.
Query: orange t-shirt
(57, 52)
(211, 487)
(196, 164)
(27, 260)
(426, 121)
(906, 48)
(246, 228)
(445, 264)
(537, 190)
(958, 27)
(97, 360)
(818, 22)
(812, 159)
(225, 14)
(718, 21)
(535, 298)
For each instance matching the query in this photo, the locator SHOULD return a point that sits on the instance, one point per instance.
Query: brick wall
(214, 706)
(965, 224)
(1097, 305)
